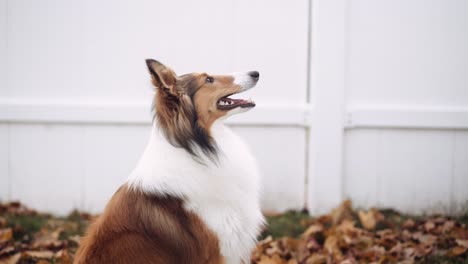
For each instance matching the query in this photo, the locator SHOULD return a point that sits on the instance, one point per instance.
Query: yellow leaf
(368, 220)
(456, 251)
(6, 234)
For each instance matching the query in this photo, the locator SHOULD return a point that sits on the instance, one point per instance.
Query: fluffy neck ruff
(225, 196)
(179, 122)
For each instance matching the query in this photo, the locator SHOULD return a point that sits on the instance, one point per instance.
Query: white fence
(363, 99)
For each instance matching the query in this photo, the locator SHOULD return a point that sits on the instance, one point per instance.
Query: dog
(194, 195)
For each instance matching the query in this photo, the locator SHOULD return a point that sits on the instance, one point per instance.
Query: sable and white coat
(194, 195)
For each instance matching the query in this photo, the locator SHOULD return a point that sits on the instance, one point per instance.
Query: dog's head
(186, 106)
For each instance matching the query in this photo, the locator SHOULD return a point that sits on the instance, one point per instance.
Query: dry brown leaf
(11, 259)
(462, 243)
(427, 239)
(368, 219)
(312, 230)
(63, 257)
(409, 224)
(344, 211)
(348, 261)
(448, 226)
(275, 259)
(331, 247)
(3, 222)
(316, 259)
(46, 254)
(456, 251)
(429, 226)
(6, 235)
(406, 261)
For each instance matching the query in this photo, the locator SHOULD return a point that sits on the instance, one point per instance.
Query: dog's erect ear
(162, 76)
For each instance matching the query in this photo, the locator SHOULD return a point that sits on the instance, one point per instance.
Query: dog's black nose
(254, 74)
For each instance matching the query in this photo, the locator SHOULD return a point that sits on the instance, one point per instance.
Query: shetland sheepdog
(194, 195)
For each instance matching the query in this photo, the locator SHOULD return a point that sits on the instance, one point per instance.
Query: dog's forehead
(189, 82)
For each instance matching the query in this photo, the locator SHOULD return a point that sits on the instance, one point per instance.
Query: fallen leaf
(312, 230)
(39, 254)
(368, 220)
(272, 260)
(63, 257)
(429, 226)
(316, 259)
(409, 224)
(6, 235)
(456, 251)
(342, 212)
(462, 242)
(11, 259)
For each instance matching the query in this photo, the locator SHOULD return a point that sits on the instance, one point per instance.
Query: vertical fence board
(361, 176)
(4, 160)
(416, 170)
(460, 170)
(327, 95)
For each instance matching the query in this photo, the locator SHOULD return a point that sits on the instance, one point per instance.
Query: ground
(345, 235)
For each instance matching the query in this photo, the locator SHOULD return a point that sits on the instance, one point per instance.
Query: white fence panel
(281, 154)
(76, 71)
(46, 166)
(363, 99)
(460, 172)
(407, 52)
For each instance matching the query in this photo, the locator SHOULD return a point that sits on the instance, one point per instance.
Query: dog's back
(139, 228)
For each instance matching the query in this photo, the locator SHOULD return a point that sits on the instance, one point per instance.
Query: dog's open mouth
(227, 103)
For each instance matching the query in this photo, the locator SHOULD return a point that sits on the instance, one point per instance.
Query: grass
(291, 223)
(26, 225)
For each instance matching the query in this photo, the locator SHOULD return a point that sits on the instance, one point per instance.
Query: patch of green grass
(287, 224)
(443, 260)
(463, 218)
(25, 225)
(75, 225)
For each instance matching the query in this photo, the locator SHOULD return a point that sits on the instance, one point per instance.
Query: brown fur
(140, 228)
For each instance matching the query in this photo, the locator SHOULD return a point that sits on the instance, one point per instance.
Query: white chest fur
(224, 195)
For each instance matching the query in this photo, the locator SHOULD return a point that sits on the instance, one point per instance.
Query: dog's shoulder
(146, 228)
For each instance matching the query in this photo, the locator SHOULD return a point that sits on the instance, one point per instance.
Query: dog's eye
(209, 79)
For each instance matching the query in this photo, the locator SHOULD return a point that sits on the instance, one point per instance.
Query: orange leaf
(6, 235)
(368, 220)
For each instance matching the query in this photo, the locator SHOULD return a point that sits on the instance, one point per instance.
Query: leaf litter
(344, 236)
